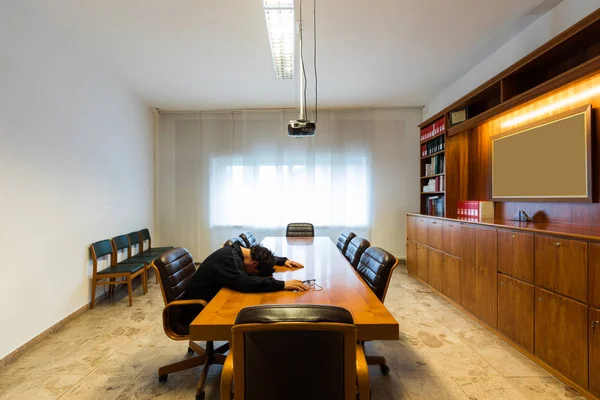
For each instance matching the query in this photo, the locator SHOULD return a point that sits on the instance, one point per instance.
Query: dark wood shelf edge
(433, 193)
(433, 154)
(580, 72)
(432, 176)
(584, 23)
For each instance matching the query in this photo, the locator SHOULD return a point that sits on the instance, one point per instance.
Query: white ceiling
(214, 54)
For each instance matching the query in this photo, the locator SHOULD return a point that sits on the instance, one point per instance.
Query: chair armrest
(165, 316)
(227, 377)
(362, 373)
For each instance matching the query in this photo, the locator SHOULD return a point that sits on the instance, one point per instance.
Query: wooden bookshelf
(432, 168)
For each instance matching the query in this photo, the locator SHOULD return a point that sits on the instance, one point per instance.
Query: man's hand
(293, 264)
(295, 285)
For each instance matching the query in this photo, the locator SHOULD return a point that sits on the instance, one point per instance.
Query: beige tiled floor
(113, 352)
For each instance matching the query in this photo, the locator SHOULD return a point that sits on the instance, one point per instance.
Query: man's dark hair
(265, 258)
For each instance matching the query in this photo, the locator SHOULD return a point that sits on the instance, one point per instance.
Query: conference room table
(342, 286)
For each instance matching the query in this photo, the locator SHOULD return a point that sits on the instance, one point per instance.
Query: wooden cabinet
(561, 266)
(594, 335)
(515, 254)
(411, 257)
(421, 230)
(561, 334)
(487, 275)
(435, 269)
(422, 269)
(435, 233)
(594, 275)
(411, 227)
(468, 268)
(515, 309)
(451, 280)
(451, 238)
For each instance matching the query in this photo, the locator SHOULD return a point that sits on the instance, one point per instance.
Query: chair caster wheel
(162, 378)
(190, 350)
(384, 369)
(200, 396)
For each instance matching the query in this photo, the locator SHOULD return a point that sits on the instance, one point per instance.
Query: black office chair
(345, 238)
(265, 339)
(175, 268)
(375, 268)
(355, 250)
(300, 229)
(248, 238)
(235, 239)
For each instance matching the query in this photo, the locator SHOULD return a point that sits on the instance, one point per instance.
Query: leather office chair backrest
(345, 238)
(248, 238)
(355, 250)
(375, 267)
(235, 239)
(176, 268)
(300, 229)
(294, 352)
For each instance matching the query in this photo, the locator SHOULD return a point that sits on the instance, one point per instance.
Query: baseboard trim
(14, 355)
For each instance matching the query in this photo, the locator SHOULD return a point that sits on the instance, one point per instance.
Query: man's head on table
(260, 261)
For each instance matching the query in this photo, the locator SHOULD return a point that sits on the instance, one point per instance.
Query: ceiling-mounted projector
(301, 128)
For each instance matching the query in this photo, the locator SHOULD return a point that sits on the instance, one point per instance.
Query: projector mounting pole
(302, 99)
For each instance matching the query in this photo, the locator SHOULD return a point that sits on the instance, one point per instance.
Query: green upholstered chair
(145, 235)
(110, 274)
(147, 258)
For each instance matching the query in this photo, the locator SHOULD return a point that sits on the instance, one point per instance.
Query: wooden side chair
(300, 229)
(375, 268)
(109, 275)
(175, 268)
(145, 235)
(345, 238)
(146, 258)
(248, 238)
(294, 352)
(355, 250)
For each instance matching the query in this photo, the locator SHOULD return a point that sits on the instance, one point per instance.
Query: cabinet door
(411, 227)
(422, 270)
(435, 269)
(411, 257)
(515, 254)
(594, 274)
(422, 230)
(468, 268)
(561, 266)
(451, 277)
(594, 327)
(451, 238)
(515, 310)
(435, 233)
(561, 334)
(487, 275)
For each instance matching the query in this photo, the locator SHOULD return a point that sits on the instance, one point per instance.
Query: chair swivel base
(378, 360)
(205, 357)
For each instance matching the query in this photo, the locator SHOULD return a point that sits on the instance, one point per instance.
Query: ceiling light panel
(279, 15)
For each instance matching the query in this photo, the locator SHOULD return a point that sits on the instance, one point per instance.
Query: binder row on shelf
(436, 166)
(435, 184)
(475, 210)
(437, 144)
(434, 206)
(437, 128)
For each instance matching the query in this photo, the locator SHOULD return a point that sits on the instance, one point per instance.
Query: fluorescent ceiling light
(280, 21)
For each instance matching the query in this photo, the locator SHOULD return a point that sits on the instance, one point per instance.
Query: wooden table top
(342, 286)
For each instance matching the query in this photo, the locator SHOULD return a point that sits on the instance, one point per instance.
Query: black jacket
(225, 268)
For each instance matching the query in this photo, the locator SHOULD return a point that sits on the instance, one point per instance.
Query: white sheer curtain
(219, 173)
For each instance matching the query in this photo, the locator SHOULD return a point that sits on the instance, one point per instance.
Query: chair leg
(129, 291)
(182, 365)
(93, 293)
(378, 360)
(145, 280)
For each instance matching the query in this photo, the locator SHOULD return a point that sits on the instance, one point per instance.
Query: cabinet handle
(433, 222)
(502, 283)
(540, 299)
(557, 244)
(514, 236)
(450, 225)
(594, 324)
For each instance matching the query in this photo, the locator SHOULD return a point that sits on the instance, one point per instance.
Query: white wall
(76, 166)
(548, 26)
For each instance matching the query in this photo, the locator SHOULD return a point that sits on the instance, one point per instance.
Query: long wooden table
(342, 286)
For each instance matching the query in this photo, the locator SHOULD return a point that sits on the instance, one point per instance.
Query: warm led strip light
(551, 107)
(280, 22)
